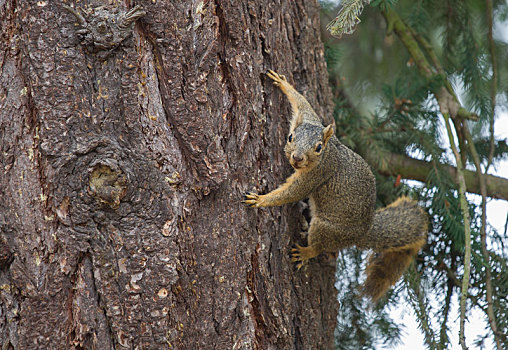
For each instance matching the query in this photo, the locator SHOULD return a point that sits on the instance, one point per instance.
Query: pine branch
(414, 169)
(347, 18)
(450, 108)
(430, 51)
(506, 225)
(457, 124)
(455, 281)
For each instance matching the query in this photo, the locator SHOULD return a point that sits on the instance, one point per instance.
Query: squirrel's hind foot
(300, 255)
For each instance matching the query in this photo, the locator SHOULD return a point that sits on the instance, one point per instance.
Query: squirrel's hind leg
(321, 239)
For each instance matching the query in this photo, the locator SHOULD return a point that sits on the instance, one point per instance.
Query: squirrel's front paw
(277, 78)
(252, 199)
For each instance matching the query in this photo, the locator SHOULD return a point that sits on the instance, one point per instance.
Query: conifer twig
(347, 18)
(443, 337)
(462, 134)
(459, 130)
(450, 108)
(430, 51)
(506, 225)
(457, 283)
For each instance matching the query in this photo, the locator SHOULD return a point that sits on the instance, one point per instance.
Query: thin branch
(467, 232)
(430, 51)
(415, 169)
(493, 92)
(443, 336)
(450, 273)
(395, 23)
(506, 225)
(457, 123)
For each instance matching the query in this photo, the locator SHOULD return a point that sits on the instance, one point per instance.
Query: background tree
(415, 77)
(123, 167)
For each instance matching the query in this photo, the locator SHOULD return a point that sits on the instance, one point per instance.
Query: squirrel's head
(306, 143)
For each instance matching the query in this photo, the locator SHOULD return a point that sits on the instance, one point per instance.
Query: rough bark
(120, 217)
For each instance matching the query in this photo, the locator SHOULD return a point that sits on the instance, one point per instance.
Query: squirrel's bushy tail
(397, 234)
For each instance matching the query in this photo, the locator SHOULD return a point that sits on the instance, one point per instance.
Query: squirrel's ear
(328, 132)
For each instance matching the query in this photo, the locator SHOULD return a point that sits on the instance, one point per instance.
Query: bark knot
(102, 30)
(107, 185)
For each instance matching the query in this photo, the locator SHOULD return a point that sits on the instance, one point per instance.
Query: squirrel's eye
(290, 138)
(319, 147)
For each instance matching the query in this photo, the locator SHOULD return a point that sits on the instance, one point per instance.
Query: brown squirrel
(342, 194)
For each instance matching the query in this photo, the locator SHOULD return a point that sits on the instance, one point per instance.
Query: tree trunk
(121, 223)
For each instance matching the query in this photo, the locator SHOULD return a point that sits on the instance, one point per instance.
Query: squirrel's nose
(297, 158)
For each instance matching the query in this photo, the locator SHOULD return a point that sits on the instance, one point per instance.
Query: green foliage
(384, 105)
(482, 144)
(333, 54)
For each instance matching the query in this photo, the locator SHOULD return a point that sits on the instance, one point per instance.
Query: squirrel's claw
(250, 199)
(301, 254)
(296, 256)
(277, 78)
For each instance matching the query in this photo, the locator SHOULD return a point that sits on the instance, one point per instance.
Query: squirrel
(342, 195)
